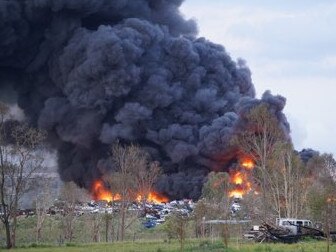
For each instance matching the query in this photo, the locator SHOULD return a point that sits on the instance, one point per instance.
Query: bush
(71, 244)
(204, 244)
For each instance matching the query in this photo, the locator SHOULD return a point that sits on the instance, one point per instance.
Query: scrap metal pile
(271, 233)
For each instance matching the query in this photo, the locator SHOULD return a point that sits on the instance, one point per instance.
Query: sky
(290, 47)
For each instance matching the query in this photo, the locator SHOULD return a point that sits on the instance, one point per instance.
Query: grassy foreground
(192, 245)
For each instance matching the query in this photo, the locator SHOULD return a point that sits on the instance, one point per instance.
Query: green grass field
(145, 240)
(191, 245)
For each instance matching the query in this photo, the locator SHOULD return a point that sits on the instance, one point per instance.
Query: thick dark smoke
(94, 71)
(308, 154)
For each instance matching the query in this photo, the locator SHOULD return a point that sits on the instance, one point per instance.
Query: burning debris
(153, 197)
(92, 72)
(100, 192)
(247, 164)
(240, 178)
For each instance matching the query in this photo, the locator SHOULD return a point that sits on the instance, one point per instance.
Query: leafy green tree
(200, 211)
(217, 202)
(217, 188)
(176, 227)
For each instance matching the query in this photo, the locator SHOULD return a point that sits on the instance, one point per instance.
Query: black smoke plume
(94, 71)
(308, 154)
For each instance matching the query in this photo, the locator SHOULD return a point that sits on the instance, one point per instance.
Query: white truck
(294, 225)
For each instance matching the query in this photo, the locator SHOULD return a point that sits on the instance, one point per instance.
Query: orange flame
(237, 178)
(237, 193)
(100, 192)
(153, 197)
(240, 179)
(247, 163)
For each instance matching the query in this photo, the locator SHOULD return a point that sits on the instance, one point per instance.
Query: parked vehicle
(149, 223)
(293, 225)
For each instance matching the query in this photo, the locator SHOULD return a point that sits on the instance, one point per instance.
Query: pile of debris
(271, 233)
(151, 214)
(155, 214)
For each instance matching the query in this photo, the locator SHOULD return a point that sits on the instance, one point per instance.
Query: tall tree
(260, 141)
(134, 175)
(146, 175)
(125, 160)
(96, 220)
(70, 195)
(20, 158)
(217, 187)
(43, 201)
(288, 183)
(176, 226)
(216, 194)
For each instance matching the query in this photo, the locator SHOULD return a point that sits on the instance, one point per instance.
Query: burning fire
(237, 178)
(247, 164)
(237, 193)
(100, 192)
(153, 197)
(240, 179)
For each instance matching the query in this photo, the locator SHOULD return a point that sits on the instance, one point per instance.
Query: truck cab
(294, 225)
